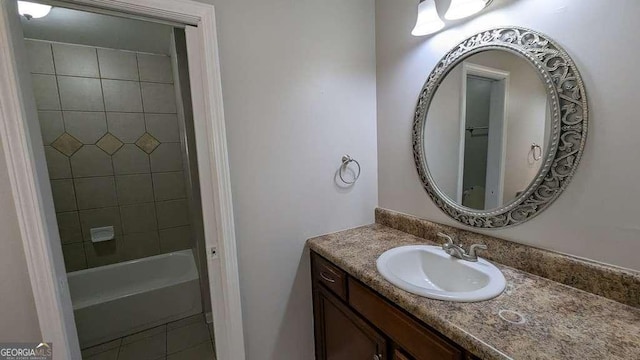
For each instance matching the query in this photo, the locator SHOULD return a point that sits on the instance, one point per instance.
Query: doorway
(100, 116)
(482, 137)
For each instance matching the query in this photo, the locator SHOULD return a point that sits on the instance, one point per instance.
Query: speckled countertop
(560, 322)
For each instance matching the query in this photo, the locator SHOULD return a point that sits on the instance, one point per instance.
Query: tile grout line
(146, 129)
(68, 158)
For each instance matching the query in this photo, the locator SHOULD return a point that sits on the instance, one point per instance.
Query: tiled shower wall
(112, 143)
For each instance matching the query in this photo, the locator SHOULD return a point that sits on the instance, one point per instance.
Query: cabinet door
(341, 334)
(400, 355)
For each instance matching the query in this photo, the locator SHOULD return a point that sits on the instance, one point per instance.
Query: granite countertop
(558, 321)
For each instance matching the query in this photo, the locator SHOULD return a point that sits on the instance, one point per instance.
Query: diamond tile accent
(147, 143)
(67, 144)
(109, 144)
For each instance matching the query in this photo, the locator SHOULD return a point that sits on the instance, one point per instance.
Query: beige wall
(596, 217)
(18, 318)
(298, 79)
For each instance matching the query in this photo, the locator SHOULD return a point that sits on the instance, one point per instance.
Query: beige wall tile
(40, 56)
(120, 95)
(147, 143)
(69, 227)
(167, 157)
(64, 197)
(88, 127)
(109, 144)
(172, 213)
(169, 186)
(105, 253)
(66, 144)
(141, 245)
(118, 64)
(156, 68)
(57, 164)
(90, 161)
(45, 91)
(175, 239)
(139, 218)
(93, 218)
(81, 94)
(158, 98)
(134, 189)
(96, 192)
(74, 257)
(130, 160)
(75, 60)
(163, 127)
(128, 127)
(51, 125)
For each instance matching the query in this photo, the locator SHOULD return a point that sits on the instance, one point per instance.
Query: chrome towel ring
(537, 151)
(346, 159)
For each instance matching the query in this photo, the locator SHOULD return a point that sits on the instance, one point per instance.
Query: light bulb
(428, 20)
(459, 9)
(32, 10)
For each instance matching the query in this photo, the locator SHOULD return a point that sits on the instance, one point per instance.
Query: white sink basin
(429, 271)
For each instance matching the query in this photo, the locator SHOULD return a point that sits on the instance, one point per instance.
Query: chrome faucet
(458, 251)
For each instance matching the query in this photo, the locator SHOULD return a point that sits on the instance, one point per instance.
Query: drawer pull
(326, 278)
(377, 357)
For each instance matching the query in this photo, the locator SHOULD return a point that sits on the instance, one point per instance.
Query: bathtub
(121, 299)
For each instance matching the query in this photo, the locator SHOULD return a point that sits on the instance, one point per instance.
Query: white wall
(298, 79)
(86, 28)
(442, 135)
(596, 217)
(18, 317)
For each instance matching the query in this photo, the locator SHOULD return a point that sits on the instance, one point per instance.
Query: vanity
(352, 321)
(358, 314)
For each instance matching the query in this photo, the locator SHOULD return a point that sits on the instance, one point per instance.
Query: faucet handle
(472, 249)
(446, 237)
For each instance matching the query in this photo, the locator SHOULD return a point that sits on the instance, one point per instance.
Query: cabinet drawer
(414, 338)
(329, 275)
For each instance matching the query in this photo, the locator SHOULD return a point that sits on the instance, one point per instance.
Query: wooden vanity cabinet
(353, 322)
(342, 334)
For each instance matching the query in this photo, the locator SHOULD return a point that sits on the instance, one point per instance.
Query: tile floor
(186, 339)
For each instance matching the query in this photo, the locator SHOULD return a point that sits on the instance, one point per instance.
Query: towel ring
(346, 159)
(537, 151)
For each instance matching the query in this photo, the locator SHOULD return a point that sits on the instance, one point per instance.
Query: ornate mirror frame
(569, 118)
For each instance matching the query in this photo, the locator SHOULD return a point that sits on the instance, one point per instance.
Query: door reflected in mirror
(487, 130)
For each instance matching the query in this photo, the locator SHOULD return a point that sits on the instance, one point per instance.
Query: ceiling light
(428, 20)
(32, 10)
(459, 9)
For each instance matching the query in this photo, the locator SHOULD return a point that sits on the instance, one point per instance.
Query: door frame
(497, 111)
(51, 294)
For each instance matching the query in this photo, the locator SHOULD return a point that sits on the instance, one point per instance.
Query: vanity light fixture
(32, 10)
(459, 9)
(428, 20)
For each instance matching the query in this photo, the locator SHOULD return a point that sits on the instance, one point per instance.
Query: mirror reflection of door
(487, 130)
(482, 142)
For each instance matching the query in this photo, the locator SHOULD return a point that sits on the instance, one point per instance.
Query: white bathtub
(121, 299)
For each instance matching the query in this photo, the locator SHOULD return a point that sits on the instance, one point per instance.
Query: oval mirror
(500, 127)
